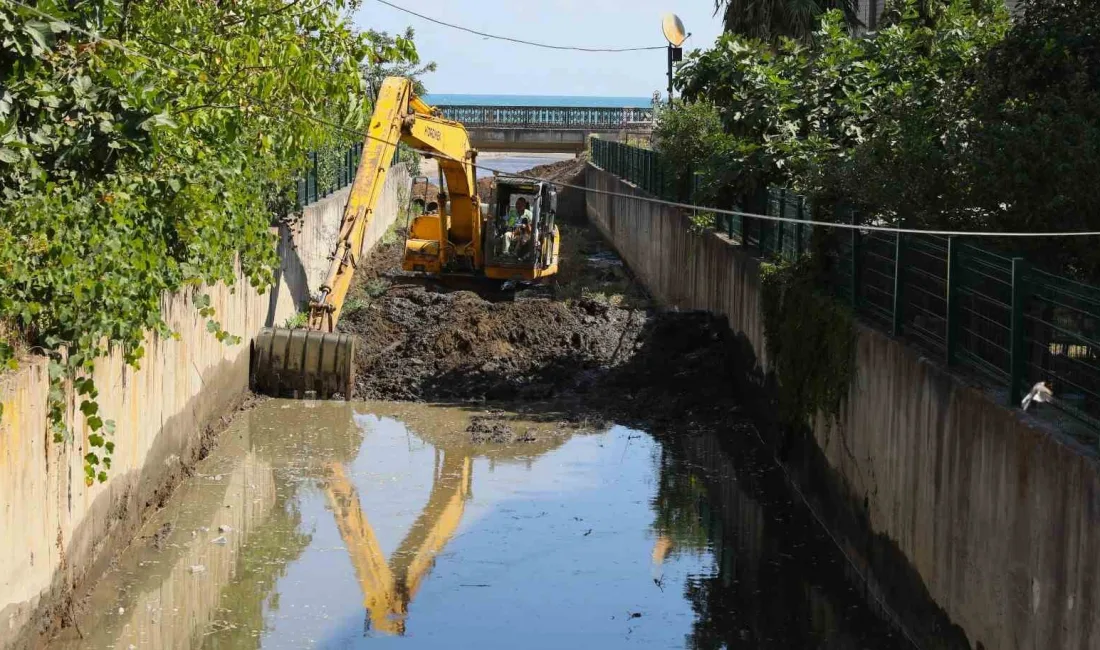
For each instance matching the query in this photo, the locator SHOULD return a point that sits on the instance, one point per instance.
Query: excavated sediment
(588, 340)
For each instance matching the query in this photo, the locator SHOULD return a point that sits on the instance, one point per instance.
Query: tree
(828, 117)
(769, 20)
(1034, 150)
(394, 56)
(154, 163)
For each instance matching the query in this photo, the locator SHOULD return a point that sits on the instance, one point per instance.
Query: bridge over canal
(557, 129)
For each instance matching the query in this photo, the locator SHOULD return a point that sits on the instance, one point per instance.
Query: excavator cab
(517, 247)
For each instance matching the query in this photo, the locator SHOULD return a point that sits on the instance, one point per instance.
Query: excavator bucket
(303, 364)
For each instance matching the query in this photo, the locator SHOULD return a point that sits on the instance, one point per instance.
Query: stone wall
(56, 533)
(973, 521)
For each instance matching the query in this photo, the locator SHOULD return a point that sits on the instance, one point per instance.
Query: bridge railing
(553, 117)
(971, 305)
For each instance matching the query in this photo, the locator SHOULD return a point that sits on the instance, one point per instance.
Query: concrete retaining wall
(305, 244)
(934, 488)
(55, 532)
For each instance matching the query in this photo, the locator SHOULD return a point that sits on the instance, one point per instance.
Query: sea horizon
(587, 101)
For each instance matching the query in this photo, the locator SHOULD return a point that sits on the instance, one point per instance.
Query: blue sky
(470, 64)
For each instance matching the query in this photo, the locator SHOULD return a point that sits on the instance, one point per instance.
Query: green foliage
(394, 56)
(298, 321)
(375, 287)
(1033, 155)
(686, 134)
(792, 113)
(122, 178)
(354, 304)
(810, 340)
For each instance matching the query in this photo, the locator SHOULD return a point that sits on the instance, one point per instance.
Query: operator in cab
(514, 222)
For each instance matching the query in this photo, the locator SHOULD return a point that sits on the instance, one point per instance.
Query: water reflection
(337, 525)
(206, 563)
(777, 580)
(389, 587)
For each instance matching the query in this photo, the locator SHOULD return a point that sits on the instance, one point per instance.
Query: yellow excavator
(461, 236)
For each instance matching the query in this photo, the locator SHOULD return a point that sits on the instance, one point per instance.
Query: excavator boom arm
(398, 116)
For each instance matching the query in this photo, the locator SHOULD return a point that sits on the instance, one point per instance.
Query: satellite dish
(673, 30)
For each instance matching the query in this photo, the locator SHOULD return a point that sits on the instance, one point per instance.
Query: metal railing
(970, 306)
(642, 167)
(317, 183)
(551, 117)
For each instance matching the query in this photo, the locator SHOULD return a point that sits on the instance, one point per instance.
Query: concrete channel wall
(56, 533)
(931, 486)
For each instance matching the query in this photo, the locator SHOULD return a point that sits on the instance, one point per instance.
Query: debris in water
(635, 614)
(487, 429)
(219, 540)
(161, 536)
(197, 568)
(121, 611)
(225, 529)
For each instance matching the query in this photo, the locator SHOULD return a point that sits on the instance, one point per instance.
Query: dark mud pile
(574, 358)
(587, 344)
(422, 342)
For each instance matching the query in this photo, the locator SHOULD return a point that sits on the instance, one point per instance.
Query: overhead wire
(520, 40)
(560, 184)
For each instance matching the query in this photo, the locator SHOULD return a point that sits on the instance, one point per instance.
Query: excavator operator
(514, 223)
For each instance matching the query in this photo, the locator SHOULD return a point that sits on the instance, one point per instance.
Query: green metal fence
(642, 167)
(963, 303)
(311, 187)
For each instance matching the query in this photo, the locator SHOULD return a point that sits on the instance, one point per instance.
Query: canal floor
(341, 525)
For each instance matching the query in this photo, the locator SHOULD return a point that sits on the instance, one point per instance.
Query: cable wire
(519, 40)
(559, 184)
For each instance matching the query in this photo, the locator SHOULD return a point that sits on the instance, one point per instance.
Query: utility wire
(519, 40)
(633, 197)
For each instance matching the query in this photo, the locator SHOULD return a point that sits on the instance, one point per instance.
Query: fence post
(649, 172)
(954, 281)
(1016, 357)
(316, 178)
(780, 226)
(798, 233)
(899, 284)
(857, 252)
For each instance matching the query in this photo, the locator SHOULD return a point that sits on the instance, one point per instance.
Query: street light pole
(674, 33)
(675, 54)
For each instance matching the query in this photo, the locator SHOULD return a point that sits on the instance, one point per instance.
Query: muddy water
(346, 525)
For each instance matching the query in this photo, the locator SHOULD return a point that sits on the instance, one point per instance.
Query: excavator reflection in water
(388, 587)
